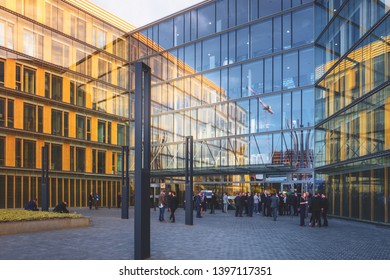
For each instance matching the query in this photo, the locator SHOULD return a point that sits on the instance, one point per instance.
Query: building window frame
(32, 117)
(53, 86)
(25, 157)
(2, 150)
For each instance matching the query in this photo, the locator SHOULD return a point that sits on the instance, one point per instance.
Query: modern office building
(278, 95)
(352, 108)
(64, 85)
(238, 76)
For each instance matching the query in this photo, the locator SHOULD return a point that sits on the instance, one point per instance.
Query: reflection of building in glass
(239, 78)
(352, 108)
(64, 85)
(242, 77)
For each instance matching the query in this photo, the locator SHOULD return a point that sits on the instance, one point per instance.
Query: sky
(142, 12)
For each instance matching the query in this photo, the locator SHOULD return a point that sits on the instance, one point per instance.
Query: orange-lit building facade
(63, 84)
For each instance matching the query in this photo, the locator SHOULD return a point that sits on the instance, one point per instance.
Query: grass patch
(24, 215)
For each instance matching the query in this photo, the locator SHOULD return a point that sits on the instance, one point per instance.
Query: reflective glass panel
(206, 20)
(261, 38)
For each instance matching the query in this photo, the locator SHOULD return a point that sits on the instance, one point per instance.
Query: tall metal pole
(142, 162)
(189, 174)
(125, 183)
(45, 179)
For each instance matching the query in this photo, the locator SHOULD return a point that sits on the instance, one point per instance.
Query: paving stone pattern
(215, 236)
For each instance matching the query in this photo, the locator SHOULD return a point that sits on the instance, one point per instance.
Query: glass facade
(238, 76)
(352, 101)
(64, 88)
(282, 95)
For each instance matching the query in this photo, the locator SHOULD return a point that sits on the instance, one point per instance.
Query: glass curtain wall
(352, 101)
(238, 76)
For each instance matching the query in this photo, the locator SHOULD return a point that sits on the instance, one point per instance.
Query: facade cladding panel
(352, 108)
(238, 76)
(64, 88)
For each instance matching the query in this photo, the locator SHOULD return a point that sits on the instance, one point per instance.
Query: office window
(252, 78)
(2, 151)
(287, 31)
(261, 38)
(6, 34)
(29, 155)
(53, 87)
(54, 17)
(306, 67)
(206, 20)
(10, 113)
(165, 32)
(80, 159)
(66, 124)
(27, 8)
(2, 112)
(6, 112)
(33, 44)
(81, 62)
(303, 27)
(277, 31)
(211, 53)
(99, 99)
(98, 161)
(18, 77)
(290, 70)
(72, 158)
(78, 28)
(88, 129)
(109, 132)
(121, 135)
(99, 37)
(10, 36)
(1, 73)
(222, 15)
(104, 70)
(80, 127)
(270, 7)
(2, 33)
(29, 80)
(77, 94)
(242, 44)
(59, 53)
(119, 47)
(101, 131)
(104, 132)
(235, 82)
(56, 122)
(33, 117)
(56, 157)
(242, 11)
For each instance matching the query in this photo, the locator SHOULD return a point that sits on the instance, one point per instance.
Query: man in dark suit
(268, 205)
(174, 204)
(237, 203)
(250, 204)
(263, 198)
(324, 209)
(198, 204)
(315, 207)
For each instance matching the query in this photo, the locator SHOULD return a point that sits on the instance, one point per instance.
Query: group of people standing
(169, 201)
(270, 204)
(277, 204)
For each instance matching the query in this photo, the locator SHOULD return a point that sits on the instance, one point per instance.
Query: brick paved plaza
(215, 236)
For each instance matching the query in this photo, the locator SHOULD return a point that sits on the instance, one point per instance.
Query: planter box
(41, 225)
